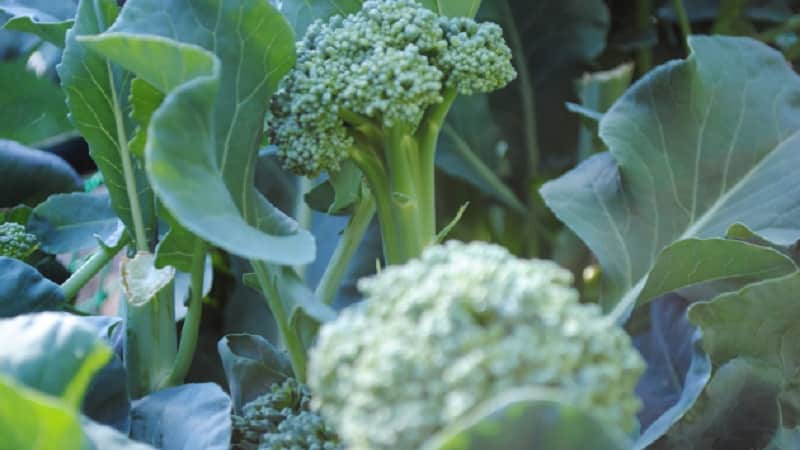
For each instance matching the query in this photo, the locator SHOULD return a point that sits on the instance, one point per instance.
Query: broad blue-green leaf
(695, 146)
(32, 108)
(24, 290)
(107, 401)
(738, 410)
(757, 322)
(693, 261)
(750, 337)
(191, 416)
(251, 365)
(677, 368)
(526, 419)
(102, 437)
(454, 8)
(72, 222)
(47, 19)
(32, 420)
(30, 175)
(222, 98)
(177, 247)
(300, 13)
(97, 96)
(55, 353)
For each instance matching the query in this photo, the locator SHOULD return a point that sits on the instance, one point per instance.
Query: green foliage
(24, 290)
(439, 336)
(282, 419)
(73, 222)
(30, 175)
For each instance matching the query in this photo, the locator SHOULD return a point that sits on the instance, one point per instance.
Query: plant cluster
(178, 174)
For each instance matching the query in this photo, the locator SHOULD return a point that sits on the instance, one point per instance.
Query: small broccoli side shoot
(375, 87)
(281, 420)
(15, 242)
(440, 335)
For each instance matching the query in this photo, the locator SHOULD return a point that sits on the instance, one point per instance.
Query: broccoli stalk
(375, 87)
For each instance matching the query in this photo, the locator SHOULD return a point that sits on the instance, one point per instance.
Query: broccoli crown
(388, 62)
(464, 323)
(15, 242)
(282, 420)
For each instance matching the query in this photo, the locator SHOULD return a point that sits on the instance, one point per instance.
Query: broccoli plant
(438, 336)
(282, 420)
(374, 87)
(15, 242)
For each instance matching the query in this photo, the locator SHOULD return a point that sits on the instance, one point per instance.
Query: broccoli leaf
(30, 175)
(301, 13)
(47, 19)
(98, 100)
(750, 337)
(222, 96)
(72, 222)
(454, 8)
(30, 419)
(55, 353)
(725, 119)
(251, 365)
(34, 112)
(171, 418)
(528, 418)
(24, 290)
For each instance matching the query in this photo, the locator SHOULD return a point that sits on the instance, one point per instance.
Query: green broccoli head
(15, 242)
(464, 323)
(387, 64)
(281, 420)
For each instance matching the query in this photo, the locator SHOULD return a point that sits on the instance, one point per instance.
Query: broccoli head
(438, 336)
(15, 242)
(282, 420)
(375, 87)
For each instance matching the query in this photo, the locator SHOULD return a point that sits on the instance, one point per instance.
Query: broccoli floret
(282, 420)
(15, 242)
(375, 87)
(438, 336)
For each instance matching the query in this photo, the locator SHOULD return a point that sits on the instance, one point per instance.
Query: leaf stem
(127, 168)
(346, 248)
(191, 324)
(91, 267)
(683, 21)
(528, 96)
(290, 339)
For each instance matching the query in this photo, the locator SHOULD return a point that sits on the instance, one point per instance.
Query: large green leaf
(454, 8)
(30, 175)
(751, 338)
(32, 420)
(695, 146)
(34, 111)
(251, 365)
(219, 72)
(45, 18)
(191, 416)
(55, 353)
(97, 96)
(525, 419)
(24, 290)
(72, 222)
(300, 13)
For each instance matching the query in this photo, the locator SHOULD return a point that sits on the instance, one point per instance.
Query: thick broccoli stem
(427, 137)
(376, 176)
(402, 156)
